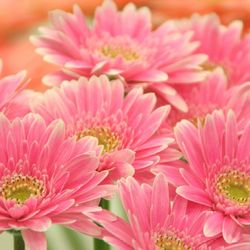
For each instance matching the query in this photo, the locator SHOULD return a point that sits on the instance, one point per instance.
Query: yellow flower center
(105, 136)
(235, 186)
(125, 52)
(209, 66)
(166, 242)
(195, 120)
(20, 188)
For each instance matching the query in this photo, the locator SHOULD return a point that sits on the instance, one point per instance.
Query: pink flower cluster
(161, 116)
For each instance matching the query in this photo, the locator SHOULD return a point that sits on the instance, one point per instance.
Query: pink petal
(231, 230)
(172, 174)
(177, 101)
(191, 179)
(187, 138)
(160, 201)
(231, 135)
(17, 212)
(210, 140)
(119, 170)
(9, 84)
(240, 246)
(179, 209)
(38, 225)
(56, 78)
(245, 220)
(194, 194)
(213, 225)
(114, 225)
(151, 75)
(244, 144)
(34, 240)
(124, 155)
(86, 226)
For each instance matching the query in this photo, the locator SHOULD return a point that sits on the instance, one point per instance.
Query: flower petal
(194, 194)
(213, 225)
(34, 240)
(231, 230)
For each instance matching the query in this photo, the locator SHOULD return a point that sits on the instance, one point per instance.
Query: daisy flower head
(213, 93)
(218, 175)
(125, 126)
(46, 179)
(225, 45)
(156, 223)
(122, 45)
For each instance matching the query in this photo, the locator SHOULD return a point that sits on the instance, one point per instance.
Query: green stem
(100, 244)
(18, 241)
(104, 204)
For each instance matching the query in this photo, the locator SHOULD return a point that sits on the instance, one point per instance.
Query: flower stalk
(100, 244)
(18, 241)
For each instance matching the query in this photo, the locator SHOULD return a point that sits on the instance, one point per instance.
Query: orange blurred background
(19, 19)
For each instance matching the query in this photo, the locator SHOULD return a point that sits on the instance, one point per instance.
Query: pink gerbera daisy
(202, 100)
(154, 223)
(11, 96)
(223, 45)
(126, 127)
(213, 94)
(121, 45)
(47, 179)
(218, 175)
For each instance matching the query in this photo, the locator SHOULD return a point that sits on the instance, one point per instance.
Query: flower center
(209, 66)
(197, 119)
(105, 136)
(167, 242)
(20, 188)
(235, 186)
(117, 50)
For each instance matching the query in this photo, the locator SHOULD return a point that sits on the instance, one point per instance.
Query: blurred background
(20, 18)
